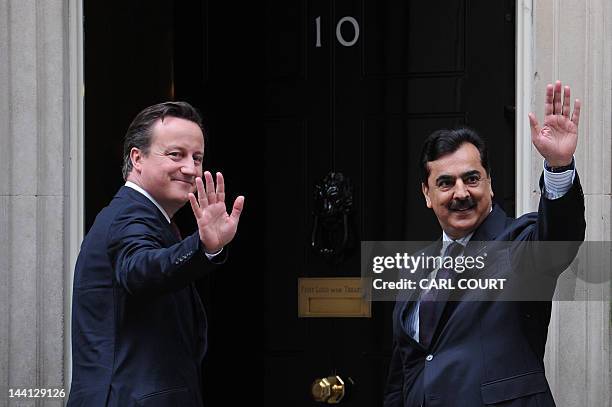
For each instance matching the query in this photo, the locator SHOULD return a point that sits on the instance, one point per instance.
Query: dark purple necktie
(431, 306)
(176, 231)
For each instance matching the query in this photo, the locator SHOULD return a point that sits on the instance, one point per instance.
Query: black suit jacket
(138, 325)
(488, 352)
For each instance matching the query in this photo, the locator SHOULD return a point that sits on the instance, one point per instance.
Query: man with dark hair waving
(138, 324)
(457, 354)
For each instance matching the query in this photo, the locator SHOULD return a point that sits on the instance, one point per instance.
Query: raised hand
(556, 140)
(215, 226)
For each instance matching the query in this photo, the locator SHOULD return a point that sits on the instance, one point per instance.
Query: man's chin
(181, 188)
(180, 198)
(465, 223)
(184, 198)
(463, 226)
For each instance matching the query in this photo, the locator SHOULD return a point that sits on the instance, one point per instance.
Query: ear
(425, 190)
(491, 187)
(136, 157)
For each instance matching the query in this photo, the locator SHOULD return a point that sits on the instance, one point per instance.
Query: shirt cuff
(556, 184)
(211, 256)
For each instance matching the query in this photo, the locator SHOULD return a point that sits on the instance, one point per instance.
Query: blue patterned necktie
(431, 307)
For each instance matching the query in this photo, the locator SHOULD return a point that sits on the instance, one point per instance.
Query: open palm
(216, 227)
(556, 140)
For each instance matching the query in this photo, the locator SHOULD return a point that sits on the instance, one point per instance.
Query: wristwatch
(559, 169)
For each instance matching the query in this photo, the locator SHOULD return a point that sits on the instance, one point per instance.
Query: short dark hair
(139, 133)
(447, 141)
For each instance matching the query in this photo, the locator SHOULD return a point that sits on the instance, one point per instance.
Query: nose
(460, 191)
(189, 168)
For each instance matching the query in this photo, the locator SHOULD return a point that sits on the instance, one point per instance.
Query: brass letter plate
(332, 297)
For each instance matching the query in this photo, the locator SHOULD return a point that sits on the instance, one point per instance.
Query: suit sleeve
(395, 381)
(143, 264)
(562, 219)
(550, 245)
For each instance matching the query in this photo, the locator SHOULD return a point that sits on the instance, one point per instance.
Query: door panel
(365, 110)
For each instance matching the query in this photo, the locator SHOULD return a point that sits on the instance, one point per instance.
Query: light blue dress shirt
(555, 186)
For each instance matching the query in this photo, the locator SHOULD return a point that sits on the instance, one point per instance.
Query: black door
(281, 112)
(354, 86)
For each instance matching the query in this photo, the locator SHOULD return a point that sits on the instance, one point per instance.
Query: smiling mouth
(463, 209)
(184, 182)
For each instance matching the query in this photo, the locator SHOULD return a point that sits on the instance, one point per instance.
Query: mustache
(458, 205)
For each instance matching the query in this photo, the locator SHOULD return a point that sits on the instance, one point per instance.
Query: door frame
(524, 104)
(75, 215)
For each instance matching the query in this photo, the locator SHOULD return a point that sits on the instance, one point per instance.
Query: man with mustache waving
(138, 324)
(457, 354)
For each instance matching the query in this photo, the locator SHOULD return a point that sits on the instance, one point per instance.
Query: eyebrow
(472, 172)
(446, 177)
(176, 147)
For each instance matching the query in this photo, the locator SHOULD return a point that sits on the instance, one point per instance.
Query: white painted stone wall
(572, 41)
(36, 127)
(41, 211)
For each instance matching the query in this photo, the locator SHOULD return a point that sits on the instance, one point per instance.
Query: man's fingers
(201, 194)
(557, 98)
(210, 188)
(237, 209)
(576, 114)
(535, 127)
(220, 188)
(194, 205)
(566, 101)
(548, 103)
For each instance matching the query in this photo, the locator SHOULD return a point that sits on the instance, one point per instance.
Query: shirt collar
(132, 185)
(463, 241)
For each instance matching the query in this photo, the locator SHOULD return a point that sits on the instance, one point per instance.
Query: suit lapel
(442, 298)
(487, 231)
(492, 226)
(408, 302)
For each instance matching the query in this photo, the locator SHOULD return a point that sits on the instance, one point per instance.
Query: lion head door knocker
(333, 204)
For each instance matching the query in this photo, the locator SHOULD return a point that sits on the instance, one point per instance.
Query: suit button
(429, 358)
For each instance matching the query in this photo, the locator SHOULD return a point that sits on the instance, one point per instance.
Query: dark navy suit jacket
(488, 352)
(138, 325)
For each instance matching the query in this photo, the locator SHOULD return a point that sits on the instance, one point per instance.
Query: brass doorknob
(330, 389)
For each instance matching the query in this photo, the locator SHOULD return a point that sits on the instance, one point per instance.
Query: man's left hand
(215, 226)
(557, 139)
